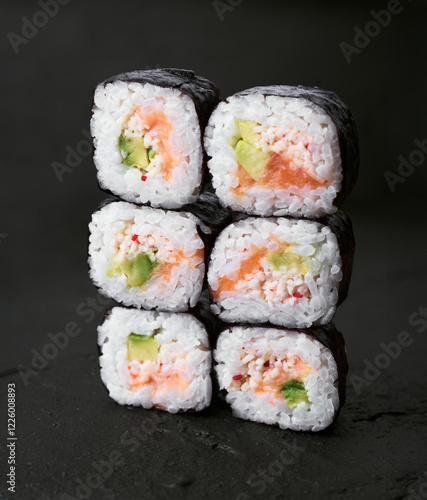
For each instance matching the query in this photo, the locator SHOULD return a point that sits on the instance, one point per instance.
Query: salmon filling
(160, 368)
(275, 158)
(148, 142)
(158, 377)
(270, 275)
(281, 376)
(150, 258)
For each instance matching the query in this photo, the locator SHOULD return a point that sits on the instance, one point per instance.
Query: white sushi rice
(182, 337)
(268, 294)
(278, 114)
(279, 347)
(170, 231)
(113, 105)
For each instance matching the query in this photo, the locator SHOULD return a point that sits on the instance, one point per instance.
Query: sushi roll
(289, 272)
(147, 257)
(153, 359)
(293, 379)
(147, 128)
(282, 150)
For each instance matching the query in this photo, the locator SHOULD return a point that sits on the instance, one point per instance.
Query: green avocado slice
(138, 270)
(133, 152)
(142, 347)
(294, 393)
(151, 154)
(288, 259)
(253, 160)
(246, 130)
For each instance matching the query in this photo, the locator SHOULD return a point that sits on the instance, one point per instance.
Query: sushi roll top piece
(283, 150)
(147, 128)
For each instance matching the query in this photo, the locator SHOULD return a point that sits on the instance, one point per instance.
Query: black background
(65, 420)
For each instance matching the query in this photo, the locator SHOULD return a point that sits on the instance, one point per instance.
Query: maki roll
(283, 150)
(147, 257)
(147, 128)
(289, 272)
(153, 359)
(294, 379)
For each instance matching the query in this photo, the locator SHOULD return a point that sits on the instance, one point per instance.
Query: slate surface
(67, 427)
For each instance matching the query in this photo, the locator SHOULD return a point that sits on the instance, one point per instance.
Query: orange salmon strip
(165, 269)
(274, 385)
(277, 174)
(161, 380)
(158, 121)
(247, 266)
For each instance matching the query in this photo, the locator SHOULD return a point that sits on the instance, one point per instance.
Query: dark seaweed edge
(341, 225)
(209, 210)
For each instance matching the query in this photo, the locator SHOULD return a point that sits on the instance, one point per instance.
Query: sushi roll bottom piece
(153, 359)
(278, 270)
(274, 155)
(146, 257)
(282, 377)
(148, 137)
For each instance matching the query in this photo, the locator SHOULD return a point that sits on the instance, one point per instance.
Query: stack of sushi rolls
(288, 156)
(147, 246)
(268, 248)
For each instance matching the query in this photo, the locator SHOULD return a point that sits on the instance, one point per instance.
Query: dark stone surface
(65, 419)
